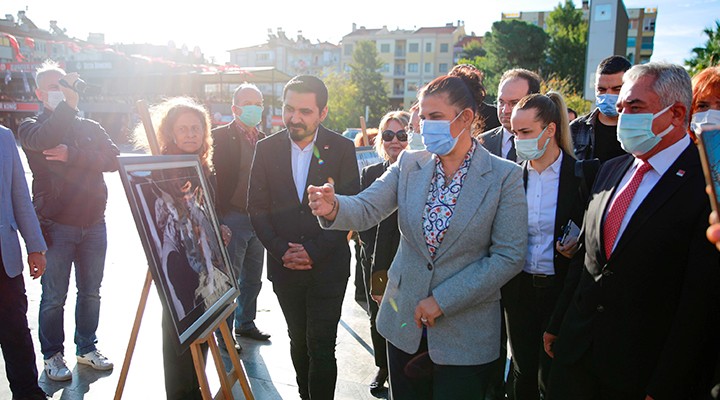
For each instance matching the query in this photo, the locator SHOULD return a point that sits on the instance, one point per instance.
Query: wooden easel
(227, 380)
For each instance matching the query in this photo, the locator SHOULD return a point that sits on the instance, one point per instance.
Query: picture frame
(175, 216)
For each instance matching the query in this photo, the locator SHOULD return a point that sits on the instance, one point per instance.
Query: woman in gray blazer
(462, 216)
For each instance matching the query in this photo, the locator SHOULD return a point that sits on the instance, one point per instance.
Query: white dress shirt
(300, 162)
(506, 142)
(660, 163)
(542, 194)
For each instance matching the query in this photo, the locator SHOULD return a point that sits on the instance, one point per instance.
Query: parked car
(350, 133)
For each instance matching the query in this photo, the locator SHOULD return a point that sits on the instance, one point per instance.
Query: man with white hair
(638, 322)
(68, 155)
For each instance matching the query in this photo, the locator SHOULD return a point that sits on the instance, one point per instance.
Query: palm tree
(709, 55)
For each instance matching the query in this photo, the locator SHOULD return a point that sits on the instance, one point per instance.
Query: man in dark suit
(514, 85)
(308, 266)
(640, 321)
(233, 149)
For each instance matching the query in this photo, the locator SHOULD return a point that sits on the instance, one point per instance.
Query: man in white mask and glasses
(638, 319)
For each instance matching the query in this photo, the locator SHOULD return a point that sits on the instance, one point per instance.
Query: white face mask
(704, 118)
(54, 98)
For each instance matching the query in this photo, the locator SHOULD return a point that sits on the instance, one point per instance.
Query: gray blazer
(16, 210)
(483, 248)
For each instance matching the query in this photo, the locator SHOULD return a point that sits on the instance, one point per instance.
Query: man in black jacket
(68, 155)
(233, 149)
(638, 315)
(594, 134)
(514, 84)
(308, 266)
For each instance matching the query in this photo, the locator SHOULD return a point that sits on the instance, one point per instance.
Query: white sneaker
(56, 369)
(95, 360)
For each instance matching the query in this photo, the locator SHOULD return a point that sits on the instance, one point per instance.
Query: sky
(217, 26)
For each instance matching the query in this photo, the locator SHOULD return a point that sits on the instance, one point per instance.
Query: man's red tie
(619, 207)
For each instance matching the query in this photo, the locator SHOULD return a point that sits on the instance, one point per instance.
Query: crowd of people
(588, 244)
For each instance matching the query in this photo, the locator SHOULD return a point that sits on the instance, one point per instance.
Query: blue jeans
(85, 247)
(246, 256)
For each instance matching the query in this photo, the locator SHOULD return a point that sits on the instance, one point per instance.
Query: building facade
(410, 58)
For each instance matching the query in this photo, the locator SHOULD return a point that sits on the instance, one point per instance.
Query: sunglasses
(388, 135)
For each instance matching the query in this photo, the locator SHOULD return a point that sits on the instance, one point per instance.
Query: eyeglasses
(388, 135)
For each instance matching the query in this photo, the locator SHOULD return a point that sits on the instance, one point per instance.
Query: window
(647, 43)
(443, 68)
(413, 48)
(413, 67)
(428, 47)
(385, 68)
(631, 42)
(444, 47)
(385, 48)
(428, 68)
(262, 56)
(348, 49)
(649, 24)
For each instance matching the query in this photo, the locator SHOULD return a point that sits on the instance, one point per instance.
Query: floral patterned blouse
(441, 201)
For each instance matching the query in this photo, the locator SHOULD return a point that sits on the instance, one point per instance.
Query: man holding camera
(68, 155)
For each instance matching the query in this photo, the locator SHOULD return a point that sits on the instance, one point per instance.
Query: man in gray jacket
(17, 214)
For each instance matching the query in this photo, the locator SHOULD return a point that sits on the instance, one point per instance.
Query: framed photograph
(175, 217)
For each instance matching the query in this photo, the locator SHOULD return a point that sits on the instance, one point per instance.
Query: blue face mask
(634, 131)
(607, 104)
(251, 115)
(436, 136)
(527, 149)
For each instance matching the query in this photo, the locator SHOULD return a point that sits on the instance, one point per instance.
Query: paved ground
(268, 364)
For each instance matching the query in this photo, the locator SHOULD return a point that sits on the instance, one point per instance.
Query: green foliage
(343, 106)
(473, 49)
(568, 44)
(709, 55)
(365, 75)
(510, 44)
(564, 86)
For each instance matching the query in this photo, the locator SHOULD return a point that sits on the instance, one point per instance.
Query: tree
(568, 44)
(709, 55)
(365, 75)
(510, 44)
(343, 104)
(573, 98)
(473, 49)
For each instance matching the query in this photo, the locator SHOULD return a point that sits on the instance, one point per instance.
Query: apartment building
(410, 58)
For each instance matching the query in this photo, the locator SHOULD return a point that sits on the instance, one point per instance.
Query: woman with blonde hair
(542, 140)
(380, 242)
